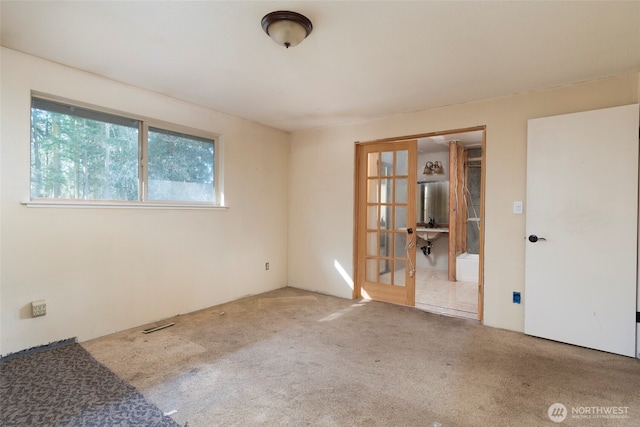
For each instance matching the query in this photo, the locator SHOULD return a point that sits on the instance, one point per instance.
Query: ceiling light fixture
(286, 28)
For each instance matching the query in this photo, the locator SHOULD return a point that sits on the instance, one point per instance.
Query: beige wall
(105, 270)
(321, 186)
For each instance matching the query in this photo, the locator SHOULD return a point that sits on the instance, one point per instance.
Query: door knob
(533, 238)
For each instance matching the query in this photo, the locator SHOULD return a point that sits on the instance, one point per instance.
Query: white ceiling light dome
(286, 28)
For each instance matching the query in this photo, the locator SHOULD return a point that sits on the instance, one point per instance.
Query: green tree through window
(81, 154)
(180, 166)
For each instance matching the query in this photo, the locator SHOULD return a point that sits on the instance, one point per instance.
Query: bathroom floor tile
(436, 294)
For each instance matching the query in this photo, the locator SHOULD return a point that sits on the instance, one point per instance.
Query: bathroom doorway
(439, 253)
(449, 223)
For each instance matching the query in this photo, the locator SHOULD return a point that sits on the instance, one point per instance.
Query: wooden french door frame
(385, 221)
(357, 227)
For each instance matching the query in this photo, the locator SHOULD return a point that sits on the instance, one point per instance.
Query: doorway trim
(356, 207)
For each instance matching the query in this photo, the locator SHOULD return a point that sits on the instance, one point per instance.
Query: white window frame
(142, 202)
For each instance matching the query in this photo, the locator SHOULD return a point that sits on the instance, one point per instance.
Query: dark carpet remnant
(66, 386)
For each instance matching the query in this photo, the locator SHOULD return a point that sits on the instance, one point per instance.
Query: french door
(385, 211)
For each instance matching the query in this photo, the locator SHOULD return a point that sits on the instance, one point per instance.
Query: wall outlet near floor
(516, 297)
(266, 265)
(38, 308)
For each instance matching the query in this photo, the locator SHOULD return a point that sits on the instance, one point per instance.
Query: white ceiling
(363, 60)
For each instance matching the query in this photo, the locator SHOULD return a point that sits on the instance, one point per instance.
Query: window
(180, 166)
(82, 154)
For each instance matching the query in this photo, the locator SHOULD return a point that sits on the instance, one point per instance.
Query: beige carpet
(291, 357)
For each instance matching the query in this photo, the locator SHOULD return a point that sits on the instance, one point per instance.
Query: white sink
(430, 233)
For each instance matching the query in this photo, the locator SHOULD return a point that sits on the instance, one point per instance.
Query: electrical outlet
(266, 265)
(38, 308)
(516, 297)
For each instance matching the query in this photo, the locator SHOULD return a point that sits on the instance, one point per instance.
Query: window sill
(119, 205)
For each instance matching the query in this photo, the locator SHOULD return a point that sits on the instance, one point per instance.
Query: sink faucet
(432, 222)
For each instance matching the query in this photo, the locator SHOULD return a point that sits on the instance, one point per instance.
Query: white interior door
(582, 204)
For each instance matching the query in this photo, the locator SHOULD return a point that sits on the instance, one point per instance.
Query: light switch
(517, 207)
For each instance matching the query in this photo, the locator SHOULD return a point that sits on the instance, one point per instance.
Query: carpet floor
(66, 386)
(291, 357)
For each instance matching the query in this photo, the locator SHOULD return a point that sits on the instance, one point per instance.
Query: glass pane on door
(372, 217)
(372, 244)
(399, 273)
(387, 163)
(372, 191)
(371, 270)
(385, 217)
(372, 162)
(385, 244)
(386, 271)
(386, 190)
(400, 244)
(401, 190)
(400, 218)
(402, 162)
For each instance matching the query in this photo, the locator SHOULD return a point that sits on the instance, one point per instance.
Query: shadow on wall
(25, 312)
